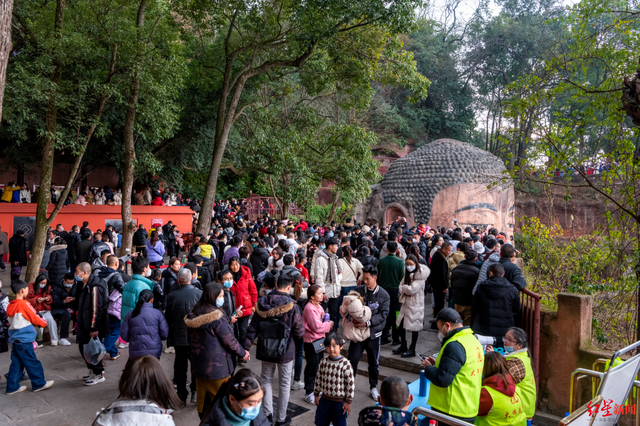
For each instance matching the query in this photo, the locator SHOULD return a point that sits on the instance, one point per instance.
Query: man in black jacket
(140, 238)
(92, 316)
(512, 272)
(463, 279)
(72, 238)
(171, 238)
(18, 249)
(64, 305)
(495, 305)
(377, 299)
(83, 248)
(179, 303)
(85, 228)
(115, 282)
(439, 277)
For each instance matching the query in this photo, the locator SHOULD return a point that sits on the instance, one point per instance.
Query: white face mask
(148, 274)
(411, 268)
(442, 335)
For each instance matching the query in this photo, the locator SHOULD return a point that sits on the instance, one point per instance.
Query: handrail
(440, 417)
(580, 411)
(530, 323)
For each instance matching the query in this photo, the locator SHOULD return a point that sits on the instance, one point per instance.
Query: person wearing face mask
(456, 374)
(213, 345)
(411, 294)
(239, 403)
(140, 281)
(92, 317)
(64, 305)
(312, 271)
(245, 292)
(40, 297)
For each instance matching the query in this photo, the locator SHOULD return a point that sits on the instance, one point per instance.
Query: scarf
(334, 266)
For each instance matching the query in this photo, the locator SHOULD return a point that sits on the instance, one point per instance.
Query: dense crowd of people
(298, 292)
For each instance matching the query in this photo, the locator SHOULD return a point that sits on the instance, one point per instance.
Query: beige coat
(454, 260)
(353, 308)
(412, 309)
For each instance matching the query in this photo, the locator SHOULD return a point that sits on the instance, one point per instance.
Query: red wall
(75, 214)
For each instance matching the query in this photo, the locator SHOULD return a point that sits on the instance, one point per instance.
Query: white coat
(129, 416)
(412, 309)
(350, 272)
(332, 290)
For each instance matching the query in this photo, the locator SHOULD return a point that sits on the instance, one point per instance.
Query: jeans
(51, 323)
(243, 323)
(394, 306)
(24, 358)
(311, 370)
(180, 368)
(297, 369)
(65, 318)
(96, 369)
(284, 387)
(330, 412)
(372, 347)
(114, 333)
(334, 312)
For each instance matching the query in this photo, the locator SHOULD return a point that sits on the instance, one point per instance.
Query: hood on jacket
(200, 321)
(58, 247)
(97, 264)
(494, 257)
(497, 382)
(496, 287)
(274, 304)
(105, 272)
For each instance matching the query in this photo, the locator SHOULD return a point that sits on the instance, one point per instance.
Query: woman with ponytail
(144, 328)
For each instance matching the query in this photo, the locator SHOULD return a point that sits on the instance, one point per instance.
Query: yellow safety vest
(527, 386)
(205, 251)
(506, 410)
(462, 397)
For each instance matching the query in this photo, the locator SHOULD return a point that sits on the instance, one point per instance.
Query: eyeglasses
(506, 339)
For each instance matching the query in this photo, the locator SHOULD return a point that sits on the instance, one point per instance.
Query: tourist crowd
(298, 292)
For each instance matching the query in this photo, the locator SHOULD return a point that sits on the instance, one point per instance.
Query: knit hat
(280, 230)
(478, 247)
(366, 229)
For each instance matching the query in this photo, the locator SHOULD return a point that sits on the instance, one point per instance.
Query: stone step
(385, 372)
(396, 362)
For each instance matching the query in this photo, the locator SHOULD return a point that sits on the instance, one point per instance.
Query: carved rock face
(448, 179)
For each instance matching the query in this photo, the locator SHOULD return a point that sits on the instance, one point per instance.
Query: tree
(241, 41)
(574, 102)
(6, 9)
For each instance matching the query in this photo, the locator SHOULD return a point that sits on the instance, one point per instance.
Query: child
(353, 308)
(394, 401)
(22, 334)
(336, 382)
(144, 328)
(158, 293)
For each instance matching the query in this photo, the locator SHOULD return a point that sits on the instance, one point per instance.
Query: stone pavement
(69, 402)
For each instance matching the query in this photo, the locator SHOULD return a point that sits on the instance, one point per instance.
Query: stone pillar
(562, 336)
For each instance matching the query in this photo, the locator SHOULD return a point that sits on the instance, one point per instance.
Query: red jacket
(156, 201)
(494, 382)
(35, 294)
(245, 292)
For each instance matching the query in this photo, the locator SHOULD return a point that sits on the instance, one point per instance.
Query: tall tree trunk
(6, 9)
(130, 146)
(334, 205)
(48, 152)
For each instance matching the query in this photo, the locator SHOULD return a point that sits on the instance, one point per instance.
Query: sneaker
(123, 345)
(374, 394)
(310, 399)
(64, 342)
(297, 385)
(20, 389)
(194, 397)
(113, 358)
(38, 345)
(88, 376)
(98, 378)
(285, 422)
(170, 350)
(54, 343)
(46, 386)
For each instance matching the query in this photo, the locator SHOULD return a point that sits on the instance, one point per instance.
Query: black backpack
(273, 338)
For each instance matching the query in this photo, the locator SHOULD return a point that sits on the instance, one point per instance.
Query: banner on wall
(157, 223)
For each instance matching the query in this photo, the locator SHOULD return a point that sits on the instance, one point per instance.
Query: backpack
(115, 304)
(273, 338)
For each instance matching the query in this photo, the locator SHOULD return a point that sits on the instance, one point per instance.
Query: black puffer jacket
(96, 249)
(58, 263)
(463, 279)
(513, 274)
(169, 280)
(378, 301)
(140, 237)
(259, 259)
(494, 306)
(368, 260)
(92, 309)
(179, 303)
(60, 293)
(439, 278)
(276, 305)
(72, 238)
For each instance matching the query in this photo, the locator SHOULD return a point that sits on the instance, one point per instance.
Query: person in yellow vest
(518, 361)
(456, 375)
(500, 399)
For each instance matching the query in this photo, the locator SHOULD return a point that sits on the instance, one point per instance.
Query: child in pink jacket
(315, 328)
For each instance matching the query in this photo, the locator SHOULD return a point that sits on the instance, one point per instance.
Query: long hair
(495, 364)
(408, 275)
(207, 302)
(347, 253)
(145, 296)
(144, 379)
(153, 238)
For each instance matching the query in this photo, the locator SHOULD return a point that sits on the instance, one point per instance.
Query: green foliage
(320, 214)
(597, 265)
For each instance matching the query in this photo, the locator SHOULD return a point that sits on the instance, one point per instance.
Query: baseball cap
(478, 247)
(447, 315)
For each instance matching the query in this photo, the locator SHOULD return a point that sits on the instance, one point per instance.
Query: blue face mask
(251, 412)
(219, 303)
(77, 278)
(508, 348)
(228, 284)
(68, 285)
(322, 247)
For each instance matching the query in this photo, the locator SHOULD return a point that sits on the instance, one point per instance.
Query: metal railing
(439, 417)
(258, 206)
(580, 411)
(530, 322)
